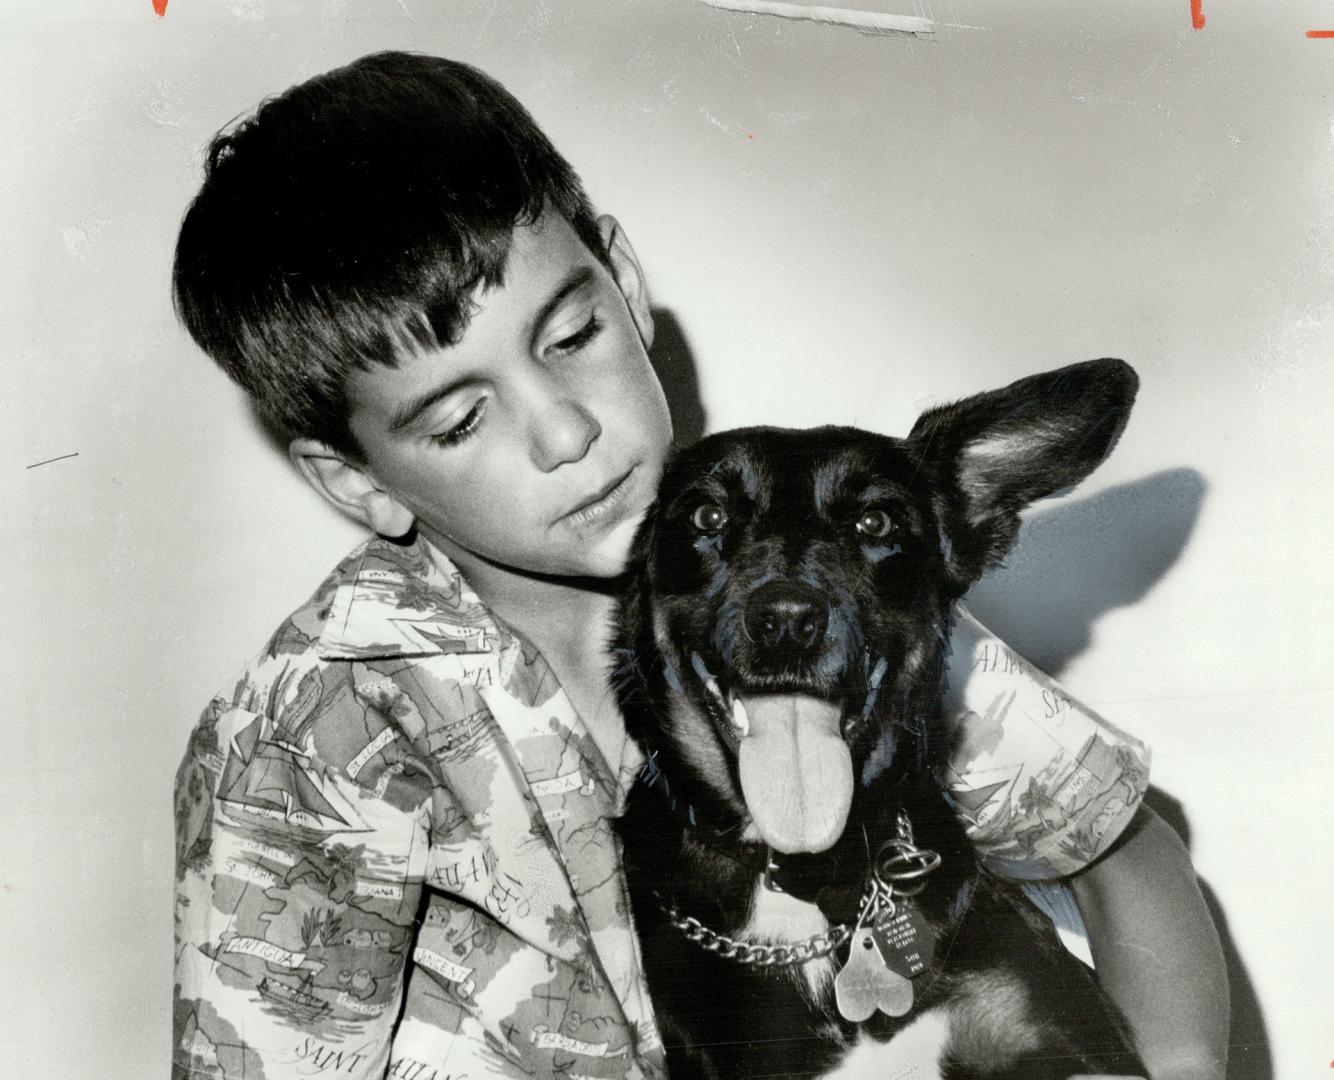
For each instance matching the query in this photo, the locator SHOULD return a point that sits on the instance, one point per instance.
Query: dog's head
(791, 589)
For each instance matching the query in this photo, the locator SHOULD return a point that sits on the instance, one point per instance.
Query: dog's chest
(914, 1053)
(777, 918)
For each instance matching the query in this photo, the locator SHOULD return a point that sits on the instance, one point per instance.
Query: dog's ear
(993, 454)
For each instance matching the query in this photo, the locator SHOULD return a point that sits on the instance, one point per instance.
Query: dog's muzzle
(793, 759)
(787, 621)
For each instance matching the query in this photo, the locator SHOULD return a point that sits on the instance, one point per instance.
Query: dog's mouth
(793, 758)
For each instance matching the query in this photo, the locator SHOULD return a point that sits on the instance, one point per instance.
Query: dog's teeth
(709, 680)
(877, 675)
(740, 720)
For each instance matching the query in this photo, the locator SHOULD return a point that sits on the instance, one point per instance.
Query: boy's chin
(600, 558)
(608, 555)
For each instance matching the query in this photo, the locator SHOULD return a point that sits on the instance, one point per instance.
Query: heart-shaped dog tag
(866, 983)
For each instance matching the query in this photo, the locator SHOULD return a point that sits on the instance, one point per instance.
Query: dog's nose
(786, 615)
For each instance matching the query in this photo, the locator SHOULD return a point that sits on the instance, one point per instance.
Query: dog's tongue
(796, 772)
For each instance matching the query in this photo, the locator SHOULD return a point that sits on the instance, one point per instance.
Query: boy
(395, 853)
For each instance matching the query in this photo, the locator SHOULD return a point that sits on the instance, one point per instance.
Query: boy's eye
(465, 427)
(579, 338)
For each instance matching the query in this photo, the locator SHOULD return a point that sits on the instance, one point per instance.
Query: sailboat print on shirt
(269, 775)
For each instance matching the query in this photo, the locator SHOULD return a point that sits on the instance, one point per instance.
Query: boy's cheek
(610, 558)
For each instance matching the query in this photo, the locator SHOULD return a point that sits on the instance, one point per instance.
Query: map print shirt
(1042, 784)
(395, 853)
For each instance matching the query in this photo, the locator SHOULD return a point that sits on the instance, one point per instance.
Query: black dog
(802, 890)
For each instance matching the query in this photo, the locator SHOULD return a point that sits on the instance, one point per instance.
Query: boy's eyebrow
(575, 280)
(408, 413)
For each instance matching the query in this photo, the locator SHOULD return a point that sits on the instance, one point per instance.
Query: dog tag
(905, 941)
(866, 983)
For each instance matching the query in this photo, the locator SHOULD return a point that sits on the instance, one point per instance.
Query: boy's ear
(995, 453)
(350, 488)
(628, 274)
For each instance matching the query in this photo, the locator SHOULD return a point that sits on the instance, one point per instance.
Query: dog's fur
(768, 563)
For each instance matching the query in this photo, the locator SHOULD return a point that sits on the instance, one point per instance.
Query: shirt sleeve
(1042, 784)
(297, 885)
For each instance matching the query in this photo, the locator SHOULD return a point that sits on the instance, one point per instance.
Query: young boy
(395, 853)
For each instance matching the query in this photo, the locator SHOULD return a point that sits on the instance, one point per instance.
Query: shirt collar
(388, 599)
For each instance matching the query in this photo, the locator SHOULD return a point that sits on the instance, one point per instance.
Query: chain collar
(900, 868)
(750, 953)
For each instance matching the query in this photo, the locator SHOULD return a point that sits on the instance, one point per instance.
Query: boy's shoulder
(387, 661)
(392, 626)
(384, 600)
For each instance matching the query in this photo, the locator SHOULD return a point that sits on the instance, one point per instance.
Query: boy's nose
(563, 433)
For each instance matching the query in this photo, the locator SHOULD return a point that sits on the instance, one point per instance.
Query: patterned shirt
(395, 853)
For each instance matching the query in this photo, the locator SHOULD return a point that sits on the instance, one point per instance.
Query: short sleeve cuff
(1042, 784)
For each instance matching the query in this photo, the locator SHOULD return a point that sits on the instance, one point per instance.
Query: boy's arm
(291, 952)
(1042, 784)
(1047, 789)
(284, 964)
(1157, 951)
(296, 947)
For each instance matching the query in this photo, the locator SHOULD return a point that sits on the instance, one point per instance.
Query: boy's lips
(600, 503)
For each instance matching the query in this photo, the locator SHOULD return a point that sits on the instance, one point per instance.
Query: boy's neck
(568, 619)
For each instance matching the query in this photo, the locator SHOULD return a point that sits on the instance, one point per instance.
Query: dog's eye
(709, 518)
(875, 524)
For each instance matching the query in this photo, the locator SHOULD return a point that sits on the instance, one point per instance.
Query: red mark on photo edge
(1196, 14)
(1321, 34)
(160, 6)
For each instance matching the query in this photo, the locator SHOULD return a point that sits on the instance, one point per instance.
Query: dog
(806, 900)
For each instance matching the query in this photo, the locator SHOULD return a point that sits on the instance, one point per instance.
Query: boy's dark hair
(349, 220)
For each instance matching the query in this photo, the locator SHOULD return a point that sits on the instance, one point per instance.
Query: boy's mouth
(601, 502)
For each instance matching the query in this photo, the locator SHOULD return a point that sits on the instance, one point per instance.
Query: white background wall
(844, 229)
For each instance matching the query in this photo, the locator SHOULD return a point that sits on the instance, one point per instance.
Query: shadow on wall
(1248, 1057)
(1074, 563)
(675, 364)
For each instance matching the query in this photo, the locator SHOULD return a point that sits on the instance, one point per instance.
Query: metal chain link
(750, 953)
(905, 865)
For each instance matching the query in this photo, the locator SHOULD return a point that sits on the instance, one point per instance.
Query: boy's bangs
(349, 222)
(436, 312)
